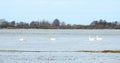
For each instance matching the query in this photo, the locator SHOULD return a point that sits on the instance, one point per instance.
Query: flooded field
(58, 46)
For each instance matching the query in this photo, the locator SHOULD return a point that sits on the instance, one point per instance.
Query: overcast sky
(69, 11)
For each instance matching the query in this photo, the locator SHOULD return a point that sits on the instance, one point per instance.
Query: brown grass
(89, 51)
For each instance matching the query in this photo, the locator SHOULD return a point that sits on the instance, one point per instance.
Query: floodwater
(59, 40)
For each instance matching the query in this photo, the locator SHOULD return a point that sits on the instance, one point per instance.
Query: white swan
(52, 38)
(91, 38)
(99, 38)
(21, 39)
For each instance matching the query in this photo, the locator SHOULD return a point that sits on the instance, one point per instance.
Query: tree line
(57, 24)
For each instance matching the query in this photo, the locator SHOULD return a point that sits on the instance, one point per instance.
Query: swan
(52, 38)
(21, 39)
(91, 38)
(99, 38)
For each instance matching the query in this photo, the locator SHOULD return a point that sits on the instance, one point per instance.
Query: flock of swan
(96, 38)
(23, 39)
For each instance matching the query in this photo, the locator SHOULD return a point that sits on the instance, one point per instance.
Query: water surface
(65, 40)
